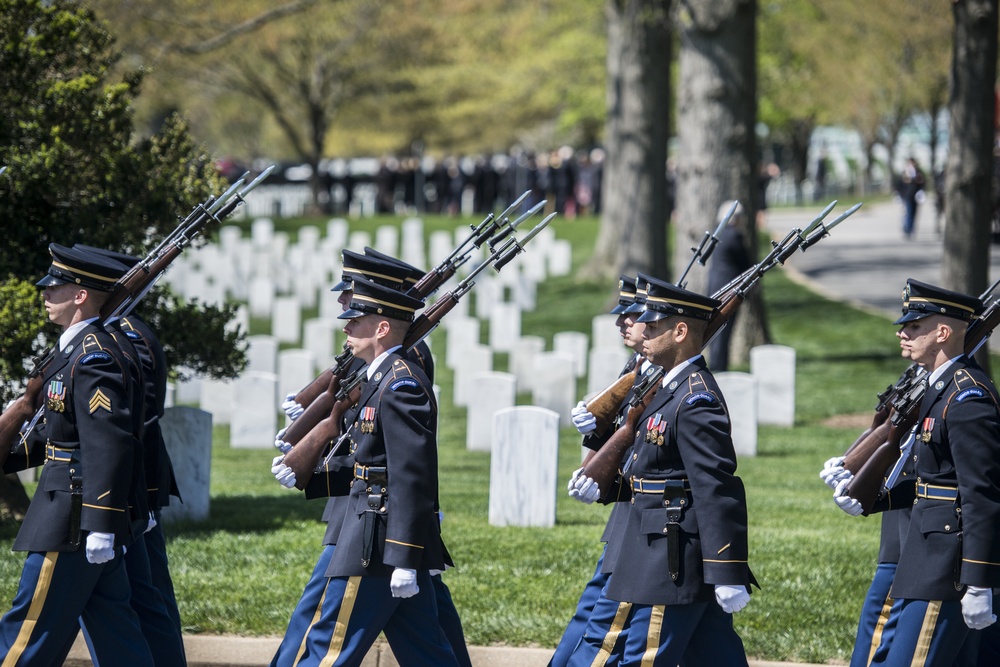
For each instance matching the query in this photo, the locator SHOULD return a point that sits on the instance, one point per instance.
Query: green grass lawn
(242, 571)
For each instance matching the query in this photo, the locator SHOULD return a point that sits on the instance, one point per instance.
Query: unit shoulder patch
(974, 392)
(708, 397)
(134, 335)
(404, 382)
(95, 357)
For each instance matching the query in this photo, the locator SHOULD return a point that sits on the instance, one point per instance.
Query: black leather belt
(655, 486)
(932, 492)
(53, 453)
(363, 472)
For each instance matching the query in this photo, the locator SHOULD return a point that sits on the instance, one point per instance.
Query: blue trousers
(156, 548)
(928, 633)
(58, 590)
(311, 618)
(878, 618)
(578, 624)
(352, 613)
(693, 635)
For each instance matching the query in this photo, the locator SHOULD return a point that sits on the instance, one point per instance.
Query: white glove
(833, 472)
(403, 583)
(282, 473)
(100, 547)
(283, 446)
(151, 523)
(731, 598)
(583, 488)
(844, 501)
(291, 408)
(977, 607)
(582, 419)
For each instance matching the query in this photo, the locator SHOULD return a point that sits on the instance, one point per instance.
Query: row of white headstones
(286, 278)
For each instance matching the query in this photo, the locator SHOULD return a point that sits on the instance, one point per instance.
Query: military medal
(928, 426)
(367, 419)
(655, 427)
(56, 396)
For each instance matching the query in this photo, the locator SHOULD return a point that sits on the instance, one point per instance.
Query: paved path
(866, 260)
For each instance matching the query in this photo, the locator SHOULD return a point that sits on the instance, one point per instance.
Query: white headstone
(575, 344)
(357, 241)
(217, 398)
(606, 364)
(261, 297)
(522, 359)
(229, 238)
(319, 337)
(336, 232)
(262, 232)
(296, 369)
(560, 258)
(740, 392)
(474, 360)
(525, 291)
(494, 392)
(412, 249)
(262, 353)
(187, 433)
(286, 321)
(488, 293)
(523, 466)
(440, 247)
(604, 332)
(309, 236)
(505, 326)
(463, 333)
(774, 368)
(387, 240)
(255, 419)
(188, 391)
(554, 383)
(329, 307)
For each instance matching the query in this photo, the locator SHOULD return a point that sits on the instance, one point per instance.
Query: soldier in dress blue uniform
(398, 276)
(950, 558)
(589, 607)
(682, 566)
(146, 562)
(390, 537)
(79, 519)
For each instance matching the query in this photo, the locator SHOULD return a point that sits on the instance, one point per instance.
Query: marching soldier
(390, 538)
(682, 569)
(398, 276)
(949, 562)
(586, 423)
(79, 521)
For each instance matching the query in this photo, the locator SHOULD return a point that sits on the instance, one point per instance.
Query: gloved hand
(100, 547)
(282, 473)
(582, 419)
(291, 408)
(833, 472)
(844, 501)
(731, 598)
(150, 523)
(283, 446)
(583, 488)
(977, 607)
(403, 583)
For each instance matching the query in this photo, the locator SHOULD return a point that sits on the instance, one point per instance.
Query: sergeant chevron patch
(99, 400)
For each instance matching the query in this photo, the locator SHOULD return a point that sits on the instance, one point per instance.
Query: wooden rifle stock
(319, 408)
(866, 487)
(605, 463)
(20, 411)
(324, 381)
(305, 456)
(605, 405)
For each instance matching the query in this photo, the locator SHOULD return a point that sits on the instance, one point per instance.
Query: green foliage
(22, 318)
(76, 174)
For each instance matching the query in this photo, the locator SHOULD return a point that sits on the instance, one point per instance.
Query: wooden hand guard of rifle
(315, 389)
(20, 411)
(604, 406)
(603, 467)
(305, 456)
(866, 487)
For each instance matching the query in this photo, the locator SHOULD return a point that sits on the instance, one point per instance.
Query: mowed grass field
(242, 571)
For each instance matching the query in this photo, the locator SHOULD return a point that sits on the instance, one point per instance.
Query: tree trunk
(717, 115)
(633, 233)
(800, 134)
(968, 178)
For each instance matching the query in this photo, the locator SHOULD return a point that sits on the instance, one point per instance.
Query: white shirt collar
(940, 371)
(379, 359)
(676, 370)
(71, 331)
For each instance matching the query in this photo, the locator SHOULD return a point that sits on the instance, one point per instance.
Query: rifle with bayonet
(707, 245)
(305, 455)
(127, 292)
(603, 466)
(876, 450)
